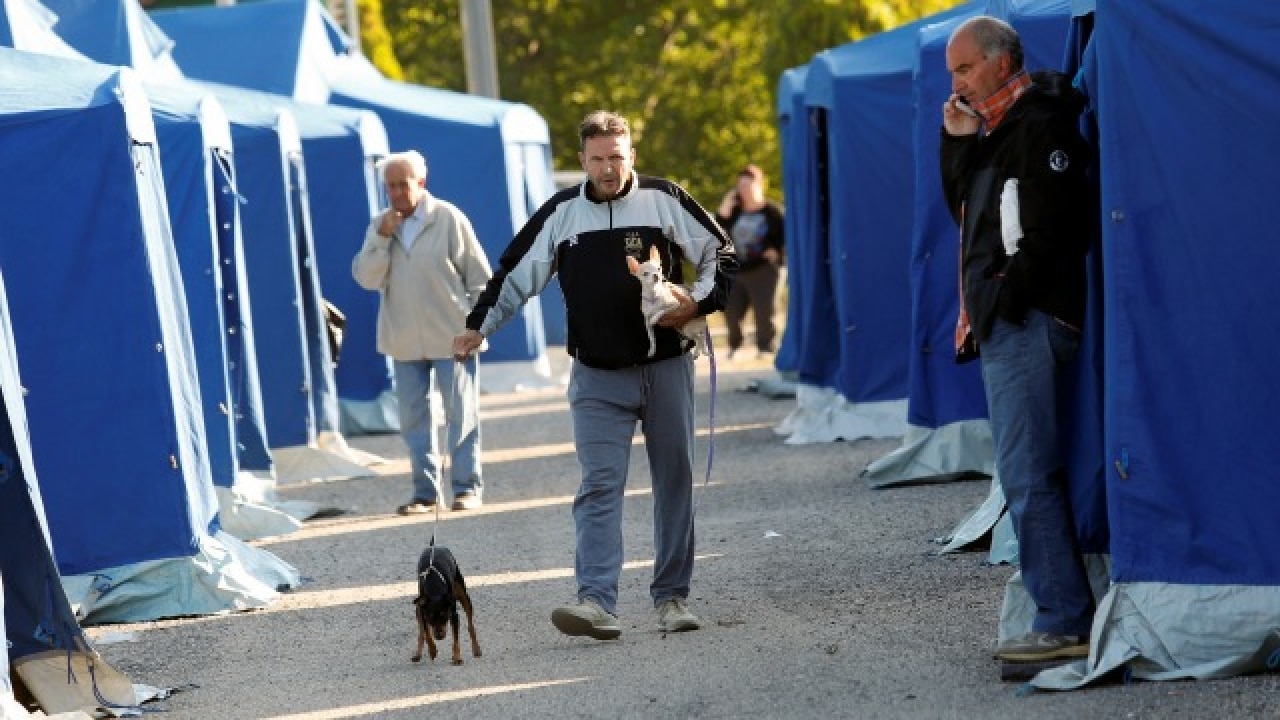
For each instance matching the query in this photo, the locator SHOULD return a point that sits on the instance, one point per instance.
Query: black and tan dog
(440, 589)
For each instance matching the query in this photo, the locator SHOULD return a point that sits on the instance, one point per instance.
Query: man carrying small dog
(585, 234)
(423, 258)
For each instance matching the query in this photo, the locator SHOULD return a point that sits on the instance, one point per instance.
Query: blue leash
(711, 422)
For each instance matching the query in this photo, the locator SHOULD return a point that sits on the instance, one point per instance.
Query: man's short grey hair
(412, 158)
(994, 37)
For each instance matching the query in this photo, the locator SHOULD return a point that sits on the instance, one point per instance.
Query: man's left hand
(679, 316)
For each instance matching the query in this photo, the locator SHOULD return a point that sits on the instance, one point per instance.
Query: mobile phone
(963, 106)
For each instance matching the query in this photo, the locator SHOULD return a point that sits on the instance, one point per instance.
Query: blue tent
(860, 94)
(489, 157)
(1188, 250)
(812, 308)
(947, 433)
(198, 171)
(36, 619)
(197, 160)
(340, 146)
(806, 351)
(58, 313)
(194, 136)
(294, 362)
(793, 129)
(105, 351)
(26, 25)
(300, 402)
(116, 32)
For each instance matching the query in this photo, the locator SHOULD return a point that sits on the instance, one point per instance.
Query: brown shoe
(1041, 646)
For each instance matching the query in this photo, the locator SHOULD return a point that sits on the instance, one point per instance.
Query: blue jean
(460, 393)
(1022, 371)
(605, 405)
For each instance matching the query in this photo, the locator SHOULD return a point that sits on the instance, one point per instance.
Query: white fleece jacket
(428, 290)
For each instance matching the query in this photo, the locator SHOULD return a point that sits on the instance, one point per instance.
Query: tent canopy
(99, 315)
(27, 25)
(489, 157)
(941, 392)
(340, 145)
(115, 32)
(865, 89)
(1193, 501)
(36, 615)
(191, 128)
(793, 129)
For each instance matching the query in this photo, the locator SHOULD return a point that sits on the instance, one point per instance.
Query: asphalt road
(820, 598)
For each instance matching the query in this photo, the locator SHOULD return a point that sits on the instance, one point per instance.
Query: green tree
(697, 78)
(375, 40)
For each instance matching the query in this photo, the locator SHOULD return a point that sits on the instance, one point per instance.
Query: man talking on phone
(1013, 173)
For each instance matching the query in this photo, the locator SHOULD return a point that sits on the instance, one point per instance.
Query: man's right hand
(465, 344)
(956, 121)
(390, 222)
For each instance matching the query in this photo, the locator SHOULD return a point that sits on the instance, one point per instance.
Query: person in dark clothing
(585, 235)
(1013, 171)
(756, 227)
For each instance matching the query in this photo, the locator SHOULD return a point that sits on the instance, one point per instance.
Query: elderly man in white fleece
(422, 256)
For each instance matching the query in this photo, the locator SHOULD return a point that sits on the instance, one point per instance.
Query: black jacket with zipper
(586, 241)
(1039, 143)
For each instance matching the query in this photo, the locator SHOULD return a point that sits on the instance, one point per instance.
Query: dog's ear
(654, 257)
(633, 266)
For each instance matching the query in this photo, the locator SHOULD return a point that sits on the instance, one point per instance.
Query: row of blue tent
(172, 247)
(1172, 483)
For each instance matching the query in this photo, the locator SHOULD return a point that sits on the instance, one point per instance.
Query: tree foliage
(697, 78)
(375, 40)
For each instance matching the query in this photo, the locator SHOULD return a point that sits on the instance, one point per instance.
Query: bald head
(993, 38)
(982, 54)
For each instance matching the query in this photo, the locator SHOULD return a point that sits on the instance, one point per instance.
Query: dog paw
(416, 658)
(457, 661)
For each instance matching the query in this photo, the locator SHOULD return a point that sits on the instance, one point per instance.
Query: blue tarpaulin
(865, 89)
(98, 312)
(489, 157)
(793, 131)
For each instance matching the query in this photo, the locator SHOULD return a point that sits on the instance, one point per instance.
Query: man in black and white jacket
(584, 235)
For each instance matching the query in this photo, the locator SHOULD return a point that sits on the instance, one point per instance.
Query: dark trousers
(756, 288)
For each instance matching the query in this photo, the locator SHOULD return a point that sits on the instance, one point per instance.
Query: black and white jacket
(586, 242)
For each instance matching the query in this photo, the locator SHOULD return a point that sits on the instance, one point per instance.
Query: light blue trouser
(606, 405)
(1021, 369)
(460, 393)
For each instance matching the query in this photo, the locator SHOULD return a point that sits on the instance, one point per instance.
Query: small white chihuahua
(657, 299)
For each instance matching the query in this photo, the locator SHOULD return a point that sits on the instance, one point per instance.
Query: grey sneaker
(586, 618)
(674, 616)
(417, 507)
(468, 500)
(1040, 646)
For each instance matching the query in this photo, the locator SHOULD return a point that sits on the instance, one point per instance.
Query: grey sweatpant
(606, 405)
